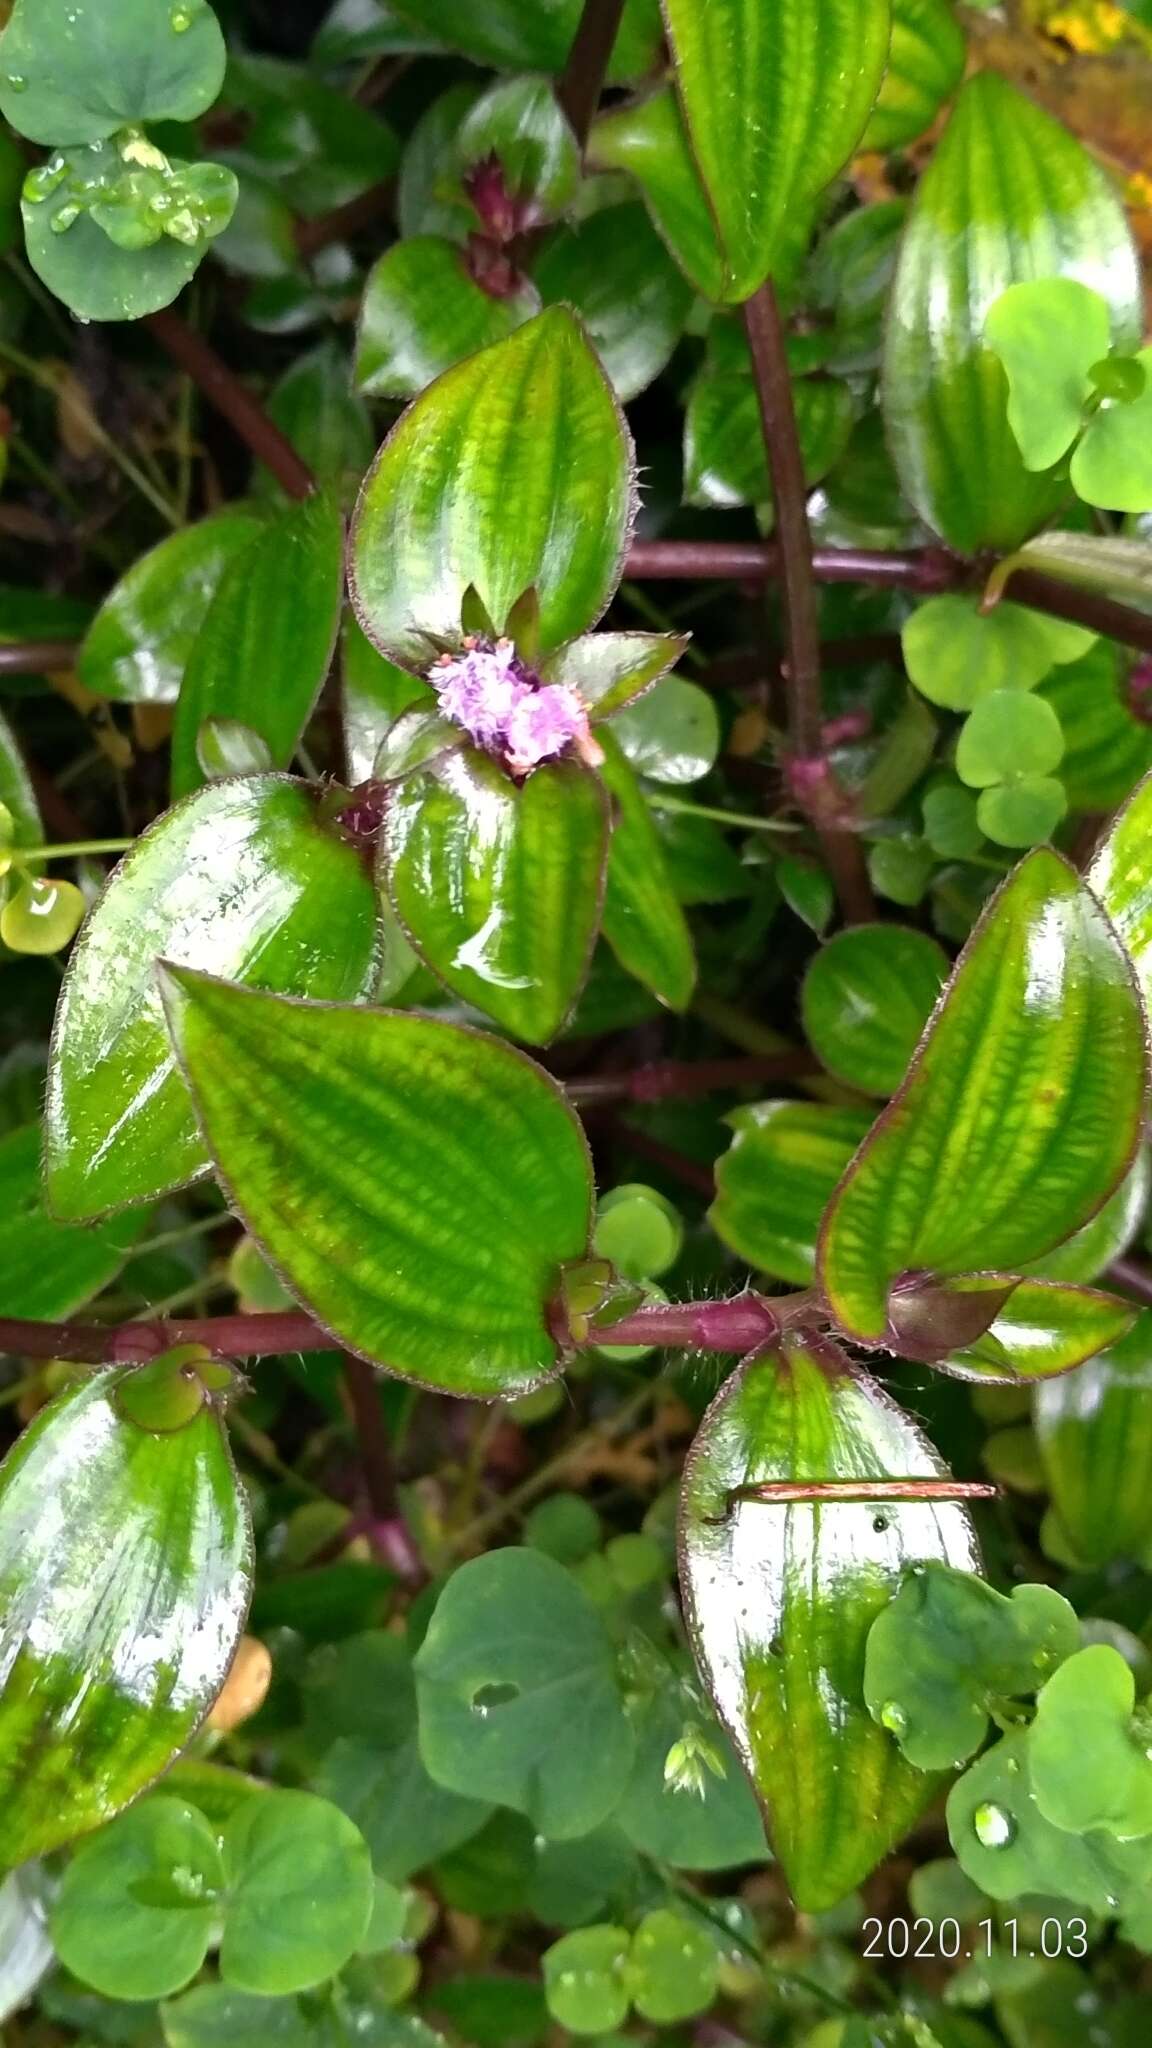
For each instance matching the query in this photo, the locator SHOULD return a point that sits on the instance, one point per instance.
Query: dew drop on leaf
(893, 1718)
(994, 1825)
(16, 83)
(179, 20)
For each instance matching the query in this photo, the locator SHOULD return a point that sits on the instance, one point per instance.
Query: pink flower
(507, 710)
(541, 724)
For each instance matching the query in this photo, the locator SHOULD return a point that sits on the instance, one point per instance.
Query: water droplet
(1112, 1902)
(180, 20)
(994, 1825)
(1013, 1767)
(893, 1718)
(64, 217)
(16, 82)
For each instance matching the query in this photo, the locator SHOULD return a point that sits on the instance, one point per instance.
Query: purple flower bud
(541, 724)
(506, 709)
(480, 691)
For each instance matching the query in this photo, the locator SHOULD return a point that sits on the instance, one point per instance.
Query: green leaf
(436, 1262)
(422, 312)
(124, 1579)
(643, 921)
(1010, 195)
(1048, 333)
(586, 1979)
(26, 1951)
(499, 887)
(673, 1967)
(518, 35)
(774, 106)
(1121, 877)
(1090, 1251)
(1094, 1430)
(1106, 750)
(808, 891)
(1044, 1327)
(1090, 1767)
(724, 460)
(1008, 734)
(361, 1700)
(1017, 1119)
(616, 272)
(866, 998)
(375, 694)
(948, 1648)
(72, 73)
(646, 138)
(777, 1178)
(780, 1599)
(610, 671)
(48, 1269)
(925, 65)
(672, 733)
(264, 647)
(300, 1893)
(957, 654)
(137, 647)
(1112, 467)
(1092, 561)
(1008, 1848)
(115, 242)
(638, 1231)
(718, 1828)
(133, 1917)
(241, 879)
(327, 424)
(535, 419)
(518, 124)
(17, 793)
(1022, 812)
(518, 1694)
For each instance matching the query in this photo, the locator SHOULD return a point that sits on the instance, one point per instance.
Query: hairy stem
(582, 79)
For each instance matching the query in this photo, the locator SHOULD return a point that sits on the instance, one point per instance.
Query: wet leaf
(773, 108)
(499, 887)
(422, 312)
(74, 73)
(777, 1178)
(241, 880)
(643, 920)
(535, 418)
(948, 1648)
(1094, 1430)
(1017, 1119)
(1045, 1327)
(671, 734)
(1089, 1764)
(617, 274)
(1006, 1846)
(124, 1568)
(866, 998)
(1010, 195)
(264, 647)
(925, 65)
(137, 647)
(437, 1262)
(780, 1599)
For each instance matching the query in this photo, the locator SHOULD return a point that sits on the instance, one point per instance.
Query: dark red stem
(36, 657)
(664, 1079)
(582, 79)
(345, 221)
(794, 541)
(1133, 1277)
(926, 571)
(748, 1323)
(222, 387)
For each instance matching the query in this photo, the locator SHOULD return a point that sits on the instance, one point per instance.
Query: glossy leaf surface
(374, 695)
(138, 645)
(646, 138)
(616, 272)
(643, 921)
(925, 65)
(75, 73)
(135, 1910)
(437, 1262)
(780, 1599)
(1044, 1327)
(519, 1699)
(777, 1178)
(1019, 1115)
(1121, 877)
(422, 312)
(50, 1269)
(611, 670)
(124, 1564)
(17, 793)
(264, 647)
(240, 880)
(512, 36)
(1107, 751)
(499, 887)
(948, 1648)
(1089, 1767)
(513, 470)
(1006, 1846)
(774, 103)
(1094, 1430)
(866, 998)
(1010, 195)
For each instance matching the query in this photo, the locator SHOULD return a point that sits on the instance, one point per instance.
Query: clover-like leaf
(947, 1648)
(136, 1905)
(1006, 1846)
(1018, 1116)
(77, 70)
(1090, 1763)
(1112, 467)
(1048, 333)
(957, 653)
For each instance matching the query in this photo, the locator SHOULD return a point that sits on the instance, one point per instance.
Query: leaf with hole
(518, 1693)
(436, 1263)
(1019, 1116)
(780, 1598)
(241, 879)
(124, 1571)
